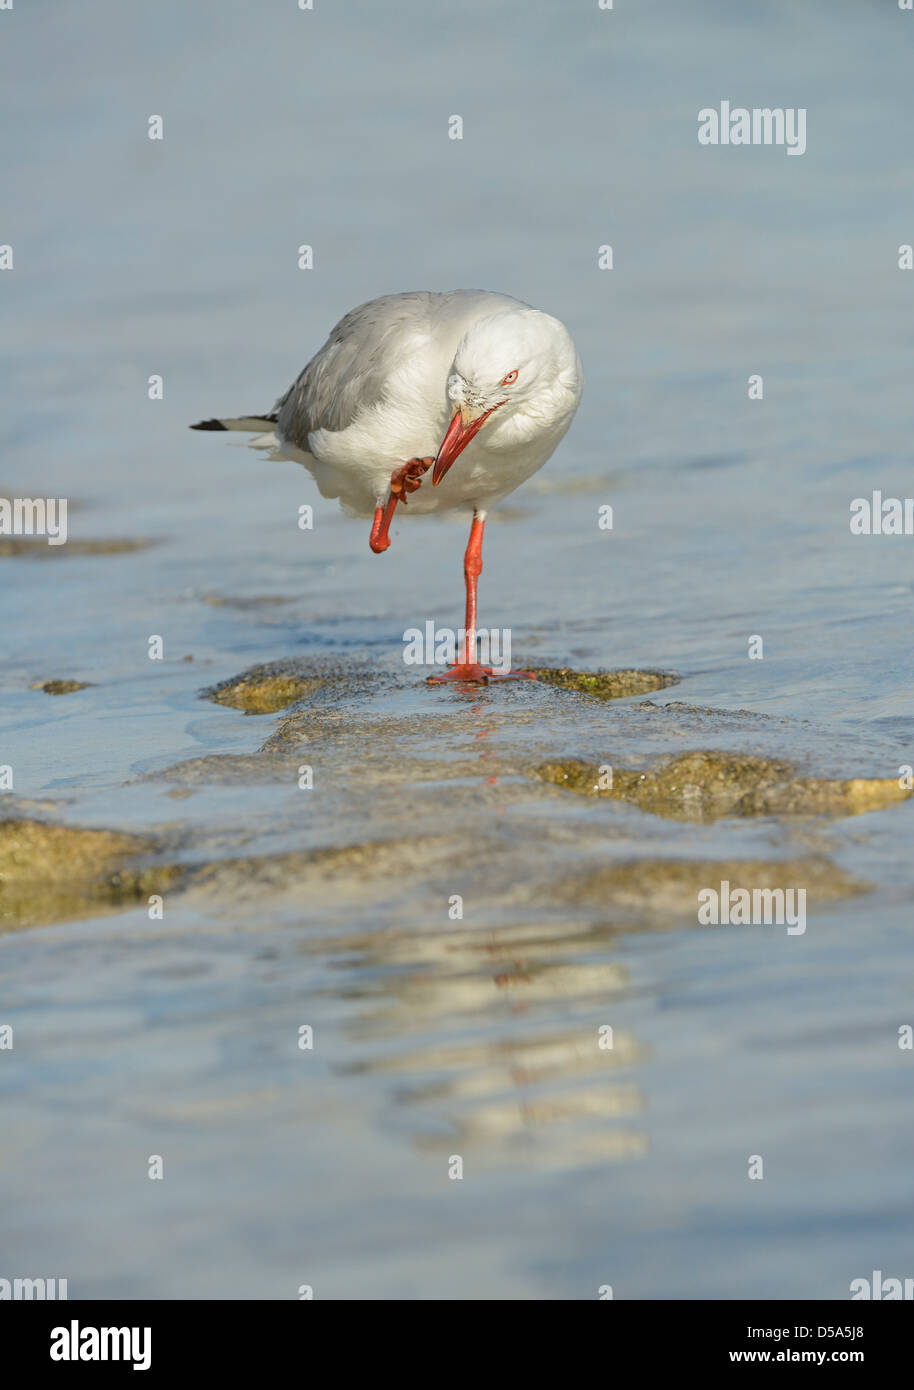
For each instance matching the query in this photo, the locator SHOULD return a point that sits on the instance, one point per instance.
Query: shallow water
(436, 1037)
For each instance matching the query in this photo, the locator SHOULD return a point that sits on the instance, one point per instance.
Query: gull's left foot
(470, 673)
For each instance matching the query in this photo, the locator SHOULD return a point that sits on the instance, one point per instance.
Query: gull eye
(510, 379)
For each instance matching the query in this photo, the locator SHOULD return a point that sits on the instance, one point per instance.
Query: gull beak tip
(460, 432)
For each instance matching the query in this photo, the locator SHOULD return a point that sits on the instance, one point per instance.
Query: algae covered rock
(264, 689)
(708, 785)
(37, 548)
(670, 888)
(605, 685)
(58, 687)
(56, 873)
(806, 796)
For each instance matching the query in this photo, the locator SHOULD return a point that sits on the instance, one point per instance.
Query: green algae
(60, 687)
(708, 785)
(605, 685)
(264, 689)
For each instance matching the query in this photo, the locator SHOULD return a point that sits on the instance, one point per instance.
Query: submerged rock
(254, 601)
(670, 887)
(57, 873)
(264, 689)
(60, 687)
(38, 549)
(708, 785)
(605, 685)
(806, 796)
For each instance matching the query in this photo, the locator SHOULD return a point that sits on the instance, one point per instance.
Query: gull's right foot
(408, 477)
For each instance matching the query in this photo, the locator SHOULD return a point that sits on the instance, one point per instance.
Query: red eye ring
(510, 379)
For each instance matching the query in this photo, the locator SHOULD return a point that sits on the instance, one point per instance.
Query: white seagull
(468, 373)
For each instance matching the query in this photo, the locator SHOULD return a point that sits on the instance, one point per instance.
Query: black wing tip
(209, 425)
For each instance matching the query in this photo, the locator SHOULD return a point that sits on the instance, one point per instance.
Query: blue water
(179, 258)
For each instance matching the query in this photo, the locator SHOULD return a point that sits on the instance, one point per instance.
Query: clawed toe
(408, 477)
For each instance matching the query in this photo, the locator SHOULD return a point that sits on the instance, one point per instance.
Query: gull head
(517, 364)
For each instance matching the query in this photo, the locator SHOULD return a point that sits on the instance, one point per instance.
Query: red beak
(455, 441)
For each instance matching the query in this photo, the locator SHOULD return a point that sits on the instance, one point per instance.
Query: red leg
(467, 668)
(379, 539)
(472, 569)
(402, 480)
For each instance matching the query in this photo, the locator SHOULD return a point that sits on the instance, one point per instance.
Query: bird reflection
(491, 1040)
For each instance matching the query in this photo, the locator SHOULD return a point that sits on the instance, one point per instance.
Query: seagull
(469, 374)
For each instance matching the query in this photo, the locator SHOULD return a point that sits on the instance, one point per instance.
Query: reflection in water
(529, 1084)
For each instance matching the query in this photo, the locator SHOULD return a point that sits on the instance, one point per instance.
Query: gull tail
(247, 424)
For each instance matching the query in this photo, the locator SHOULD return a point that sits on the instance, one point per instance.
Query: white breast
(412, 414)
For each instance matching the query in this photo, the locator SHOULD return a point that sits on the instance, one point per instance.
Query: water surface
(436, 1037)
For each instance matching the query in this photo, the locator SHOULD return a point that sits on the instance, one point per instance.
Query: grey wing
(350, 372)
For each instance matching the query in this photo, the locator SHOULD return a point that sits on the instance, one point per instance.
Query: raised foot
(408, 477)
(470, 673)
(404, 479)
